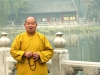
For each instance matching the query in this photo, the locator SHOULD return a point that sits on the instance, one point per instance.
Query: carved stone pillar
(4, 41)
(10, 66)
(60, 54)
(4, 51)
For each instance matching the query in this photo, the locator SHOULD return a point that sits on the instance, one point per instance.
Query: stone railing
(58, 23)
(73, 67)
(58, 65)
(10, 66)
(67, 67)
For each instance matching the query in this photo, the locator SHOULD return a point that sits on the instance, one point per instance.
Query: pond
(82, 47)
(87, 49)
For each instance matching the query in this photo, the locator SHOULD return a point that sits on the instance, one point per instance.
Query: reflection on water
(87, 49)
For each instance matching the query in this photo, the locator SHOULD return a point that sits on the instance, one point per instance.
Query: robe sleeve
(15, 51)
(47, 53)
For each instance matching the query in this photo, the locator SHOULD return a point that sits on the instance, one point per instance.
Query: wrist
(24, 54)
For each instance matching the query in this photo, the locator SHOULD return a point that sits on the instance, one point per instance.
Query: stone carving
(1, 63)
(59, 41)
(11, 68)
(4, 52)
(4, 41)
(90, 70)
(68, 70)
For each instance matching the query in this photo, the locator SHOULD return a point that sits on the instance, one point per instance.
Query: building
(48, 13)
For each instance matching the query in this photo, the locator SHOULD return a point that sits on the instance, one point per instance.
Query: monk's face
(30, 25)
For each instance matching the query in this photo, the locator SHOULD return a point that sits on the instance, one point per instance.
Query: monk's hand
(36, 56)
(28, 54)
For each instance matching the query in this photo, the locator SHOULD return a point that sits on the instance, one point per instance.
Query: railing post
(4, 51)
(60, 54)
(10, 66)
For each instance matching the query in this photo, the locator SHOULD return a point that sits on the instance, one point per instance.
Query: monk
(32, 50)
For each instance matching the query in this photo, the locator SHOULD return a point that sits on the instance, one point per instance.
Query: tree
(10, 6)
(93, 9)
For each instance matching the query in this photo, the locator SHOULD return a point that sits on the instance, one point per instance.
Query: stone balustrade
(73, 67)
(67, 67)
(10, 65)
(58, 65)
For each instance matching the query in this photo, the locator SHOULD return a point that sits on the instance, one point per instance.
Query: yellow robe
(36, 43)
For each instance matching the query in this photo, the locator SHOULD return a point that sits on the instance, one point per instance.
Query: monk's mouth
(30, 28)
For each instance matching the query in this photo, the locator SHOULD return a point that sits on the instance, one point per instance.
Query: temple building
(48, 12)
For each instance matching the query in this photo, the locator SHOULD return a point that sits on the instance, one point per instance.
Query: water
(86, 49)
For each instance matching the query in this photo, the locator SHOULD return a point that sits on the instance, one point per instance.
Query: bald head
(30, 18)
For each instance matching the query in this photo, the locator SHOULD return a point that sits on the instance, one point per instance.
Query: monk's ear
(36, 24)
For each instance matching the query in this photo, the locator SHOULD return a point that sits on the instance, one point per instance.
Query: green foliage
(51, 32)
(10, 6)
(93, 9)
(69, 30)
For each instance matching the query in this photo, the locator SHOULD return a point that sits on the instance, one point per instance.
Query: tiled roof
(50, 7)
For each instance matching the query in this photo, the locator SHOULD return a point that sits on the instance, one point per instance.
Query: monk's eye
(33, 23)
(28, 23)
